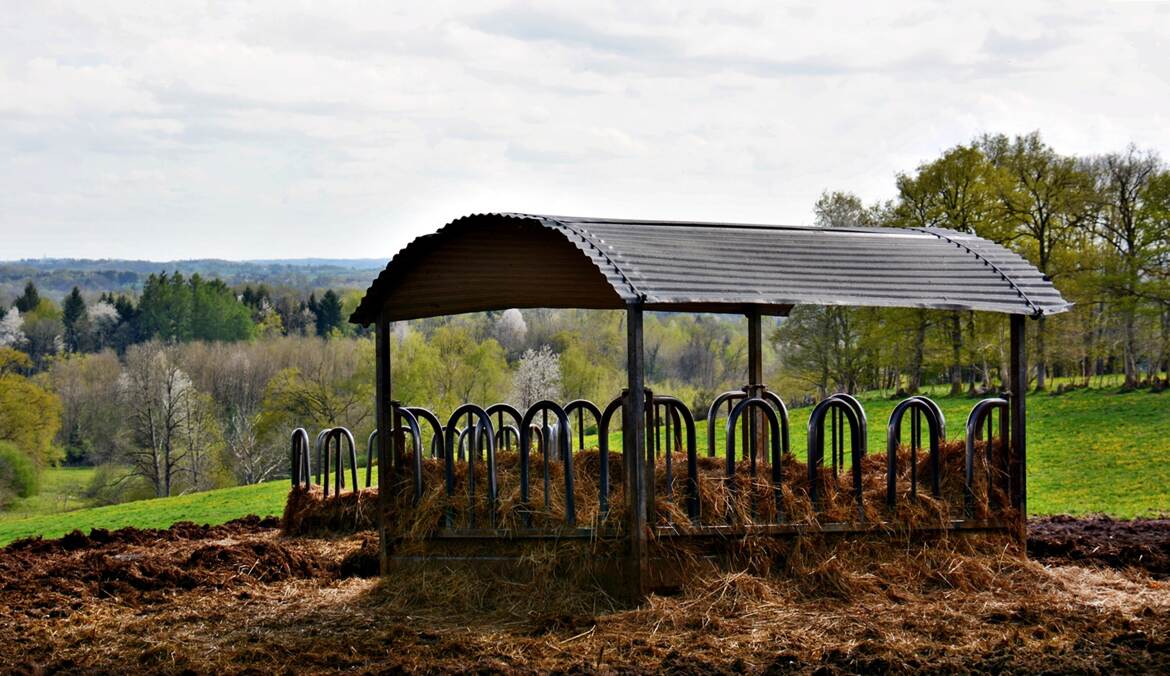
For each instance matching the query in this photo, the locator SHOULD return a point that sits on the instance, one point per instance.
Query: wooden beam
(1018, 472)
(633, 452)
(382, 396)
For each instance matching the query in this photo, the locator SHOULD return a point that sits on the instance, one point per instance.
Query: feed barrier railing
(836, 423)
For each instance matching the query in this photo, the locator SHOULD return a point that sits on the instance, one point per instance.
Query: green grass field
(61, 490)
(1089, 451)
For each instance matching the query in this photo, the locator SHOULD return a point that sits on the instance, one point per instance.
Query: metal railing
(836, 422)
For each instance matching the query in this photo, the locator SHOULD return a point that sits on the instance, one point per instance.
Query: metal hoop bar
(603, 448)
(917, 406)
(503, 440)
(979, 413)
(545, 407)
(776, 434)
(683, 416)
(436, 428)
(299, 452)
(727, 397)
(782, 411)
(416, 437)
(525, 451)
(816, 444)
(938, 414)
(483, 427)
(323, 459)
(581, 406)
(371, 443)
(498, 410)
(334, 438)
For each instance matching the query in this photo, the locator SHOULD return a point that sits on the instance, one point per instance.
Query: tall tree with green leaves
(1046, 201)
(1157, 211)
(956, 191)
(1132, 232)
(30, 415)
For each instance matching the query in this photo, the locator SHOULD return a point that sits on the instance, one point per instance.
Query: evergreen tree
(29, 300)
(328, 312)
(176, 309)
(75, 317)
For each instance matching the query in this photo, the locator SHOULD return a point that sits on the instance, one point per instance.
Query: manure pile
(243, 598)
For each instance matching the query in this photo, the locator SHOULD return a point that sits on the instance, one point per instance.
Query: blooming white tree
(11, 329)
(104, 318)
(510, 330)
(538, 376)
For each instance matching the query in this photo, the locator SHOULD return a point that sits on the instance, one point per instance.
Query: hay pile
(309, 512)
(746, 499)
(879, 606)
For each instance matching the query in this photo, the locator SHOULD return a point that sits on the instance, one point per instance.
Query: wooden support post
(633, 452)
(755, 419)
(755, 347)
(1018, 472)
(382, 420)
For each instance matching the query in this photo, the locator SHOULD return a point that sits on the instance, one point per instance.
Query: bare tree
(155, 390)
(236, 376)
(199, 436)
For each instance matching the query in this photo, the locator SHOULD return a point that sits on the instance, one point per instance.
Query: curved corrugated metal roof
(497, 261)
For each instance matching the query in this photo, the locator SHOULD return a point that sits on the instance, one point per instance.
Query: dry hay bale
(308, 511)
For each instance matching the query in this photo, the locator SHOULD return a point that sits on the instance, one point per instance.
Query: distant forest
(58, 276)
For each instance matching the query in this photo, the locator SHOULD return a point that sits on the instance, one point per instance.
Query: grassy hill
(1090, 451)
(212, 507)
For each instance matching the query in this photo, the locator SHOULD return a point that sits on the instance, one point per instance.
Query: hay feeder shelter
(500, 482)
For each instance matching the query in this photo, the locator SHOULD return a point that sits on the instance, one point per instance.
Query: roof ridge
(588, 239)
(723, 224)
(1036, 310)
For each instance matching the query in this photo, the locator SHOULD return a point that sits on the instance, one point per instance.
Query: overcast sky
(180, 130)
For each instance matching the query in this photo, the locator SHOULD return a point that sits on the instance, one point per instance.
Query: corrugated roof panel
(492, 261)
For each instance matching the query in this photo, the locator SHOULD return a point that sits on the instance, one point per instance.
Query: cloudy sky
(179, 130)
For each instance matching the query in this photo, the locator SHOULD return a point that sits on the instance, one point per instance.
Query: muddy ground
(1094, 598)
(1141, 543)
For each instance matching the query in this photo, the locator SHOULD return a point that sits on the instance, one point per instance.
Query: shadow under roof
(505, 260)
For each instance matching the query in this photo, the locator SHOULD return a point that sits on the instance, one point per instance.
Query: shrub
(111, 485)
(18, 473)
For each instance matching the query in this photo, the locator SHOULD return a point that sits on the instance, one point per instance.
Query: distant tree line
(171, 308)
(57, 276)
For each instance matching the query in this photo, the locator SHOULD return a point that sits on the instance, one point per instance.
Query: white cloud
(264, 130)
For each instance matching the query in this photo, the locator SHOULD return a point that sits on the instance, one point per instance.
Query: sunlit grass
(1089, 451)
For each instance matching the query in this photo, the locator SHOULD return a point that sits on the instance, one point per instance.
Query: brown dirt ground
(1100, 540)
(243, 598)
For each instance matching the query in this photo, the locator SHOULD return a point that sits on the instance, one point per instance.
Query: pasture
(1091, 451)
